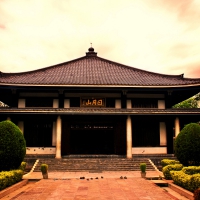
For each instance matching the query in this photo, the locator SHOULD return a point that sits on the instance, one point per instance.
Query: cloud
(2, 26)
(194, 71)
(162, 36)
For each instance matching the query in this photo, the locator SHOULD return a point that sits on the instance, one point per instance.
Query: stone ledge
(180, 190)
(12, 188)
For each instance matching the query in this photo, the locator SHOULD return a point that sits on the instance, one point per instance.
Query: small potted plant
(143, 169)
(44, 170)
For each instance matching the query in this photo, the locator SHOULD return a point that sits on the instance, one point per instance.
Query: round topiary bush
(12, 146)
(187, 145)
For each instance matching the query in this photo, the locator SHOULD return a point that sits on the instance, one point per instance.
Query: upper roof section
(92, 71)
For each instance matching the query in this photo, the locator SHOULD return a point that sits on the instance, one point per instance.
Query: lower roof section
(100, 111)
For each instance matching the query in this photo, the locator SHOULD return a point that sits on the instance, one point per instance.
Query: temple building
(92, 105)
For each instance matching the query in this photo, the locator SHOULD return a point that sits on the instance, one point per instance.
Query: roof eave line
(108, 86)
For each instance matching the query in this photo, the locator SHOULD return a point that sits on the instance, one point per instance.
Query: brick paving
(96, 189)
(109, 185)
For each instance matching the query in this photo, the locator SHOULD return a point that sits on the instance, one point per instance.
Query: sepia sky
(161, 36)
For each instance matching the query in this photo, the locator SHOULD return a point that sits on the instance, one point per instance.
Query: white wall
(161, 104)
(21, 103)
(128, 104)
(66, 103)
(118, 103)
(40, 150)
(149, 150)
(55, 103)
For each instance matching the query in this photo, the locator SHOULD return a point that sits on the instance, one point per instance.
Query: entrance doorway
(93, 135)
(91, 141)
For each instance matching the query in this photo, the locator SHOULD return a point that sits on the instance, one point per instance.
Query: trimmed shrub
(191, 170)
(143, 167)
(189, 182)
(44, 168)
(22, 166)
(8, 178)
(187, 145)
(166, 170)
(194, 182)
(12, 146)
(180, 178)
(166, 162)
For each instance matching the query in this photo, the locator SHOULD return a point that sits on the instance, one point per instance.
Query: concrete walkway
(105, 174)
(94, 186)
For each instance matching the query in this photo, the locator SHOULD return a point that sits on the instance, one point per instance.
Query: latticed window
(38, 134)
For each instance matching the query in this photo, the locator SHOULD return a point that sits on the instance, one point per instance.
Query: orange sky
(156, 35)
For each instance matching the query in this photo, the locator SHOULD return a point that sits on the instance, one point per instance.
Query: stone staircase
(93, 164)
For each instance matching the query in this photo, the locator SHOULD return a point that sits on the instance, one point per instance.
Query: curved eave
(99, 111)
(98, 86)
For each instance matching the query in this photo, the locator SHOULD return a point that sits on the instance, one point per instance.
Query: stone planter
(45, 175)
(143, 174)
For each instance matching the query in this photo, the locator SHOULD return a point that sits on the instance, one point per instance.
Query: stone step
(92, 164)
(95, 162)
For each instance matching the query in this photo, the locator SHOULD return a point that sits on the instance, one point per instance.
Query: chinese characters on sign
(99, 102)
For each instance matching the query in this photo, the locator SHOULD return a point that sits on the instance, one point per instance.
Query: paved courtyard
(94, 186)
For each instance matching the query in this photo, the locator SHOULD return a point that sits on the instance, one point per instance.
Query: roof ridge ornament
(91, 51)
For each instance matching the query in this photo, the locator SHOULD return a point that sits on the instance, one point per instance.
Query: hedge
(191, 170)
(166, 162)
(189, 182)
(22, 166)
(8, 178)
(166, 170)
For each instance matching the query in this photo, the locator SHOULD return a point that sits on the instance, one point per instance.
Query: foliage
(44, 168)
(12, 146)
(8, 178)
(187, 145)
(191, 170)
(167, 169)
(3, 104)
(143, 167)
(197, 96)
(189, 103)
(189, 182)
(165, 162)
(197, 194)
(22, 166)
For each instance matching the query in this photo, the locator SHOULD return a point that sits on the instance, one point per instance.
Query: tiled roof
(92, 70)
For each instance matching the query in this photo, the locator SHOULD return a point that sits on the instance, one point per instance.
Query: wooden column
(177, 126)
(58, 136)
(21, 126)
(129, 137)
(163, 134)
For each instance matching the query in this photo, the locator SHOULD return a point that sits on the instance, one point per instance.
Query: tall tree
(192, 102)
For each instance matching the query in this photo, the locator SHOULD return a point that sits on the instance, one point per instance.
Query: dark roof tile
(93, 70)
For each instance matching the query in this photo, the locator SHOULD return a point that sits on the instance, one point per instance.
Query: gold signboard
(93, 102)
